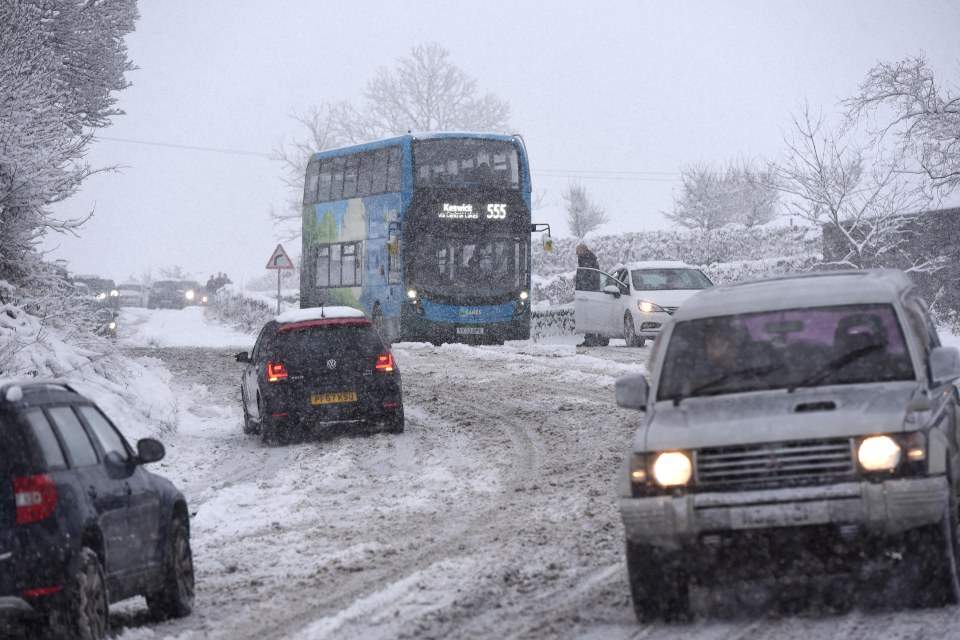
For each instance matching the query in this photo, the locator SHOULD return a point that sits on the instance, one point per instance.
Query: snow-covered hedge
(729, 244)
(131, 393)
(551, 321)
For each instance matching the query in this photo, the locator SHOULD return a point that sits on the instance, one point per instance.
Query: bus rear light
(280, 415)
(35, 498)
(276, 371)
(385, 362)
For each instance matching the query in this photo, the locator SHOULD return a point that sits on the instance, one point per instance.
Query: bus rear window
(466, 162)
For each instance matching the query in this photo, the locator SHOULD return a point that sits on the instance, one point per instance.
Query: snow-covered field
(493, 516)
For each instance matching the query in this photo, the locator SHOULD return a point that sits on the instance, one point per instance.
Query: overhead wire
(587, 174)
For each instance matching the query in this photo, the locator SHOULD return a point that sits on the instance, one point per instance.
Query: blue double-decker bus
(429, 234)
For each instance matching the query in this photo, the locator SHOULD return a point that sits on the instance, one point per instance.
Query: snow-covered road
(493, 516)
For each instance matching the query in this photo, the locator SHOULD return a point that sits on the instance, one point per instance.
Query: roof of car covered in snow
(318, 313)
(655, 264)
(816, 289)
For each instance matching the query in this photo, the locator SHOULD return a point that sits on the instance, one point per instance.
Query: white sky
(631, 90)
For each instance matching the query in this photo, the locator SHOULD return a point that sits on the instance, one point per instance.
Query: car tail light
(385, 362)
(276, 371)
(42, 591)
(35, 497)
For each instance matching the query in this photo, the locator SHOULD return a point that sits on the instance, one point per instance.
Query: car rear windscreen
(322, 341)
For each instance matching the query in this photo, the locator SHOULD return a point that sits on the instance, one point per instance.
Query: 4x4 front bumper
(890, 507)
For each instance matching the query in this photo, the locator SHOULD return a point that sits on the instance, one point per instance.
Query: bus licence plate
(473, 331)
(331, 398)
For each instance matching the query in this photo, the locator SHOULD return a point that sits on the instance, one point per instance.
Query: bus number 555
(496, 211)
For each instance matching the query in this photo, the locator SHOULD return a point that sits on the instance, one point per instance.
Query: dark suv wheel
(175, 600)
(85, 615)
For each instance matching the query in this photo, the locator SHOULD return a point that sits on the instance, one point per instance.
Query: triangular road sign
(279, 259)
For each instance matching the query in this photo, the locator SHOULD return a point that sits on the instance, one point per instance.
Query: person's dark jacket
(588, 274)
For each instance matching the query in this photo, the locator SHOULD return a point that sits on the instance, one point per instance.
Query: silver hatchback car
(797, 426)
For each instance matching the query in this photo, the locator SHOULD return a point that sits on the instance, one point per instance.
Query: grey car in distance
(797, 426)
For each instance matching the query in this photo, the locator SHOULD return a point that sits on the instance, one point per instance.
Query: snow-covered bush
(240, 311)
(135, 397)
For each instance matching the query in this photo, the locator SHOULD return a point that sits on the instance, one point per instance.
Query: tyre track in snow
(440, 412)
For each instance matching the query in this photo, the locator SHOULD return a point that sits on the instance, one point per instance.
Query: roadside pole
(279, 260)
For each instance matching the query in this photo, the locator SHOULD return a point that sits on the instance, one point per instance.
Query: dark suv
(82, 523)
(169, 294)
(320, 367)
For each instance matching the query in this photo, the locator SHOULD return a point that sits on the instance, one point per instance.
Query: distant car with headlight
(103, 289)
(801, 425)
(634, 301)
(194, 293)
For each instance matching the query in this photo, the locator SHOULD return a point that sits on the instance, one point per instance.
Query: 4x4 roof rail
(7, 386)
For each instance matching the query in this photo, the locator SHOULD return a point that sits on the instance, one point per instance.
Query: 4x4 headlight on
(649, 307)
(887, 453)
(651, 473)
(672, 469)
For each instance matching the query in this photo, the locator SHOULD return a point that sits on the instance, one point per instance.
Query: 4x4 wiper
(757, 370)
(835, 365)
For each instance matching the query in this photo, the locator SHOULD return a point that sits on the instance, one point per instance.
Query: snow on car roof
(318, 313)
(656, 264)
(824, 288)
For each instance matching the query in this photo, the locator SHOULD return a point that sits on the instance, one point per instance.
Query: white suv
(797, 426)
(634, 301)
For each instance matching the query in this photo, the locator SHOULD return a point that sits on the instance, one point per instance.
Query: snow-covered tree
(713, 197)
(922, 115)
(424, 92)
(583, 214)
(60, 61)
(833, 184)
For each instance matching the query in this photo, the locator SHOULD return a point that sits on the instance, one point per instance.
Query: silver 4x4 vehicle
(803, 425)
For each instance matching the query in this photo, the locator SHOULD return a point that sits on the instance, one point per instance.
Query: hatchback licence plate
(331, 398)
(474, 331)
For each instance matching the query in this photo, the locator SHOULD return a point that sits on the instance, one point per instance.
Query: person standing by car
(588, 269)
(587, 279)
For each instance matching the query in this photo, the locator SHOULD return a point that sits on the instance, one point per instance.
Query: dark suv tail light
(385, 362)
(35, 497)
(276, 371)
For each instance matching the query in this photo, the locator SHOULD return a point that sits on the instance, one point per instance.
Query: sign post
(279, 260)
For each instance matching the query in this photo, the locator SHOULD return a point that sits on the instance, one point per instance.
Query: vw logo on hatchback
(331, 364)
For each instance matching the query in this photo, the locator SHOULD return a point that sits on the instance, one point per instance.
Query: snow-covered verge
(135, 396)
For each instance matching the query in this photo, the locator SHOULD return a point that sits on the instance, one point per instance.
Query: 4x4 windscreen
(784, 349)
(311, 346)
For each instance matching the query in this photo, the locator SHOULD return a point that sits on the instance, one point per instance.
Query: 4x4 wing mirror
(632, 391)
(944, 365)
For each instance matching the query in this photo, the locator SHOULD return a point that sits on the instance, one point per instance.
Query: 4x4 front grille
(777, 464)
